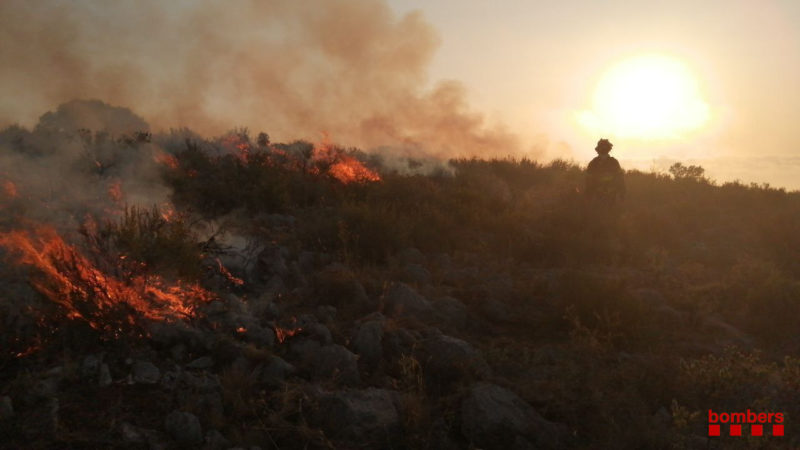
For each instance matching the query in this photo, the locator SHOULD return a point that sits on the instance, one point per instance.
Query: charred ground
(340, 301)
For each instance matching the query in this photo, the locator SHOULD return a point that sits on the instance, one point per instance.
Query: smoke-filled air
(351, 68)
(276, 225)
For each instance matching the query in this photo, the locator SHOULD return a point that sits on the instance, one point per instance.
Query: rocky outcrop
(402, 300)
(368, 416)
(493, 417)
(184, 428)
(447, 360)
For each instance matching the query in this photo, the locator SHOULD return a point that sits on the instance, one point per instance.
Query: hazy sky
(543, 78)
(533, 64)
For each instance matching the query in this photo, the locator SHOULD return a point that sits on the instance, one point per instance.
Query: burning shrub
(108, 299)
(161, 242)
(255, 181)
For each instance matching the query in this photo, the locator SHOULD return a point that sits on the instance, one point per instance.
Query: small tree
(681, 172)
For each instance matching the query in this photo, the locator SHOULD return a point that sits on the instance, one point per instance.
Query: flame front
(343, 167)
(238, 146)
(71, 280)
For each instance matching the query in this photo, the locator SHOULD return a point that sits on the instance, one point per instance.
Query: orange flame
(166, 159)
(228, 275)
(70, 280)
(349, 170)
(28, 351)
(283, 333)
(343, 167)
(168, 212)
(237, 145)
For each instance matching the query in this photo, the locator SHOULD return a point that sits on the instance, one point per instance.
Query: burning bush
(160, 242)
(102, 293)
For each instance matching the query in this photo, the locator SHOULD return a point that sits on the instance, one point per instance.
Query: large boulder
(496, 311)
(367, 416)
(338, 286)
(493, 417)
(184, 428)
(398, 342)
(416, 274)
(402, 300)
(367, 341)
(446, 359)
(216, 441)
(327, 362)
(271, 262)
(450, 312)
(145, 372)
(337, 363)
(258, 335)
(274, 371)
(131, 434)
(91, 366)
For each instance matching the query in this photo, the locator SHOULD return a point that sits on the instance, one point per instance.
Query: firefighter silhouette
(605, 189)
(604, 176)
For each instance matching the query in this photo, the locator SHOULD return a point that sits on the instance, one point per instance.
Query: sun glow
(646, 97)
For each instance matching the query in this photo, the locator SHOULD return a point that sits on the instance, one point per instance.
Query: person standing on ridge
(604, 175)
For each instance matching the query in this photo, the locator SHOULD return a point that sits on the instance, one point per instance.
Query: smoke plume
(84, 160)
(351, 68)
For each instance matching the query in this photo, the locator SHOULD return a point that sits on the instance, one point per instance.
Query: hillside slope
(213, 293)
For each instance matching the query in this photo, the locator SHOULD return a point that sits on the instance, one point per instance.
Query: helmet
(604, 146)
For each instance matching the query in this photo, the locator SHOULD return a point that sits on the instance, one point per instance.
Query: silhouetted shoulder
(603, 163)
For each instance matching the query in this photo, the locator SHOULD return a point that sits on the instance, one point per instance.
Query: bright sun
(646, 97)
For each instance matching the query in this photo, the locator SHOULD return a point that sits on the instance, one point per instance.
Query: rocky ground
(310, 353)
(481, 304)
(303, 354)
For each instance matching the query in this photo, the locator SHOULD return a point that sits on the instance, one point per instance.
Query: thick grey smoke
(351, 68)
(85, 159)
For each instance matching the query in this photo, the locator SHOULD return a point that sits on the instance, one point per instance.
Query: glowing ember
(168, 212)
(241, 330)
(283, 333)
(28, 351)
(343, 167)
(228, 275)
(237, 145)
(70, 280)
(166, 159)
(10, 189)
(115, 191)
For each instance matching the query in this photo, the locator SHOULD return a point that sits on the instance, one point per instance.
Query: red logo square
(777, 430)
(756, 430)
(713, 430)
(736, 430)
